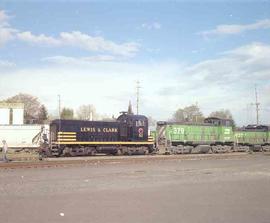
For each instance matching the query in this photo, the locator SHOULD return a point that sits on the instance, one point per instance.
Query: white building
(11, 113)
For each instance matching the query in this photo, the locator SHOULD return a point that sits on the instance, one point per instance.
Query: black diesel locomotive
(127, 135)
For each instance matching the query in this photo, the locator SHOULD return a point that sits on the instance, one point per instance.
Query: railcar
(127, 135)
(24, 136)
(215, 135)
(252, 137)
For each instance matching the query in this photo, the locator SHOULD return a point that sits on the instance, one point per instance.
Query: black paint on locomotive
(130, 128)
(133, 127)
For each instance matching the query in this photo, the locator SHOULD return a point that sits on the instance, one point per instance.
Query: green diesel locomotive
(215, 135)
(252, 137)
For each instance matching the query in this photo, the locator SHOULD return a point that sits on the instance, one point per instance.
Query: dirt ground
(229, 189)
(23, 155)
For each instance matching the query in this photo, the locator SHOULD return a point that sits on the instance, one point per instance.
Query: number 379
(178, 131)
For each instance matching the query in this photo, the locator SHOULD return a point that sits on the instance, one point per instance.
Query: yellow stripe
(68, 133)
(68, 136)
(105, 143)
(66, 140)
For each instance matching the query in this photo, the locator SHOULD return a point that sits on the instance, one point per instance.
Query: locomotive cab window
(53, 134)
(140, 123)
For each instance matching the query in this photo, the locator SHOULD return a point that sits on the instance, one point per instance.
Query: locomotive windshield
(140, 123)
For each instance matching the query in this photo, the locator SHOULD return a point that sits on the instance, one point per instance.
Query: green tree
(190, 113)
(67, 113)
(42, 115)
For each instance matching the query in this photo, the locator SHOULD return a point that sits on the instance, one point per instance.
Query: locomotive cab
(133, 127)
(219, 121)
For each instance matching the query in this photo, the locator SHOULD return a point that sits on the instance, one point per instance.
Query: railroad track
(99, 160)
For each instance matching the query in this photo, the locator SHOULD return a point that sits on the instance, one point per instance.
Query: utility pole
(257, 104)
(137, 94)
(59, 113)
(247, 110)
(59, 106)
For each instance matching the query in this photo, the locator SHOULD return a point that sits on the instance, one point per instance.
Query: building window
(10, 116)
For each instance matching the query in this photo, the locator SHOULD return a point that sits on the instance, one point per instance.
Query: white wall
(21, 136)
(17, 116)
(4, 116)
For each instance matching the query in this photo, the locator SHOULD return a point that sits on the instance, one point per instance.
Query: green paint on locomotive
(217, 134)
(196, 133)
(245, 137)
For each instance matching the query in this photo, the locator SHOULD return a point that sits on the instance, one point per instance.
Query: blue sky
(212, 53)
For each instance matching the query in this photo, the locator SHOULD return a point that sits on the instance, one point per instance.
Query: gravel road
(231, 189)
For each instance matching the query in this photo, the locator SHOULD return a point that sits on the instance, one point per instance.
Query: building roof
(11, 105)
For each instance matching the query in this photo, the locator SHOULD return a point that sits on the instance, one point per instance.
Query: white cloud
(236, 28)
(6, 31)
(83, 41)
(38, 39)
(226, 82)
(6, 64)
(80, 60)
(98, 44)
(107, 85)
(151, 26)
(66, 39)
(3, 17)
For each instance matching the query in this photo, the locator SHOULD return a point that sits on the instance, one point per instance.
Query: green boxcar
(187, 136)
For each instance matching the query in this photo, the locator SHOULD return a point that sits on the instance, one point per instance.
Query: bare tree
(87, 112)
(190, 113)
(151, 122)
(32, 107)
(107, 118)
(223, 113)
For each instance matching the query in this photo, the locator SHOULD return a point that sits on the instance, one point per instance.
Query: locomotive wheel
(129, 153)
(118, 152)
(93, 152)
